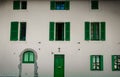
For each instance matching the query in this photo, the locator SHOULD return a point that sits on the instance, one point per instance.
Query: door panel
(59, 66)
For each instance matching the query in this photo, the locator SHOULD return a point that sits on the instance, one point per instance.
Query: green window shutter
(101, 62)
(87, 30)
(23, 31)
(94, 4)
(67, 5)
(52, 5)
(23, 4)
(16, 5)
(103, 31)
(14, 31)
(67, 28)
(51, 33)
(112, 62)
(91, 62)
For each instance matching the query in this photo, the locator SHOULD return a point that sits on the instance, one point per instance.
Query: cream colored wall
(77, 62)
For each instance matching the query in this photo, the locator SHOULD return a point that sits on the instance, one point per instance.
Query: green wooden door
(59, 66)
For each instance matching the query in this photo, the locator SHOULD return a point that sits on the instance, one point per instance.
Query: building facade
(59, 38)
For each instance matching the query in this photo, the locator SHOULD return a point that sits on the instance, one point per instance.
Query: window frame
(97, 62)
(66, 34)
(28, 57)
(19, 33)
(101, 34)
(117, 63)
(54, 3)
(19, 4)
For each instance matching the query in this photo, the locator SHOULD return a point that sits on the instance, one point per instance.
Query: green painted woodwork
(91, 62)
(96, 62)
(16, 5)
(87, 30)
(23, 4)
(28, 57)
(67, 5)
(22, 31)
(112, 62)
(101, 63)
(51, 33)
(94, 4)
(52, 5)
(103, 32)
(115, 62)
(58, 65)
(67, 28)
(14, 31)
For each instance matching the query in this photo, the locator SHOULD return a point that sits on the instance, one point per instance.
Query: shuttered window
(18, 31)
(60, 5)
(17, 5)
(95, 31)
(94, 4)
(59, 31)
(115, 62)
(28, 57)
(96, 62)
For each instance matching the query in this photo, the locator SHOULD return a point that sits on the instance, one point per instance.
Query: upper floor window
(95, 31)
(18, 31)
(59, 31)
(19, 4)
(94, 4)
(96, 62)
(116, 62)
(59, 5)
(28, 57)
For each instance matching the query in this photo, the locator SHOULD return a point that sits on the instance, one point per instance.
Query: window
(96, 62)
(59, 5)
(94, 4)
(59, 31)
(28, 57)
(18, 30)
(17, 4)
(116, 62)
(95, 31)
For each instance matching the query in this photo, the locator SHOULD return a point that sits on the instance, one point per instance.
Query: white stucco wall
(77, 62)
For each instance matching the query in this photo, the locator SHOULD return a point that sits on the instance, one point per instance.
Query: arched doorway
(28, 63)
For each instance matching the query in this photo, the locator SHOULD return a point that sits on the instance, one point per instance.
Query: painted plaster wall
(77, 62)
